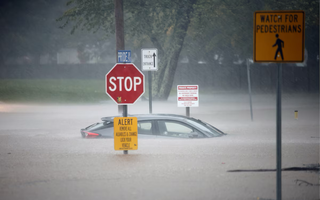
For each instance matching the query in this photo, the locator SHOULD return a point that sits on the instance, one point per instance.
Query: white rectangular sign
(188, 95)
(149, 59)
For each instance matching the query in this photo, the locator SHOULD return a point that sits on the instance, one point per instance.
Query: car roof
(151, 117)
(175, 117)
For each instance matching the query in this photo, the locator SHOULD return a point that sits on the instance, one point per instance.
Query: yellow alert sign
(125, 133)
(279, 36)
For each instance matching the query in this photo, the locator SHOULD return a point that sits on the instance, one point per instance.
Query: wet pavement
(42, 155)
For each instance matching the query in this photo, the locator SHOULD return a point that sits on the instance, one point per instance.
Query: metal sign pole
(249, 87)
(279, 84)
(150, 91)
(125, 114)
(188, 111)
(119, 27)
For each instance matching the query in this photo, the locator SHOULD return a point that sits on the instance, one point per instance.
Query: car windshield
(99, 125)
(95, 126)
(205, 127)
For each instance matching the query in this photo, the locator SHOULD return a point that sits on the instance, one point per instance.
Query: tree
(165, 23)
(27, 28)
(201, 28)
(222, 29)
(225, 27)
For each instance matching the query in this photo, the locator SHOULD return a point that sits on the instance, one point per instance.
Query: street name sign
(188, 95)
(149, 59)
(124, 83)
(125, 133)
(279, 36)
(124, 56)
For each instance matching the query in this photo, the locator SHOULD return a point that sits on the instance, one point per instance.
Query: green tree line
(199, 29)
(209, 30)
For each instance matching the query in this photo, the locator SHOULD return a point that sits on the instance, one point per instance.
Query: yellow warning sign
(279, 36)
(125, 131)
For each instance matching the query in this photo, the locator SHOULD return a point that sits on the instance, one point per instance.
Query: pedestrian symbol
(280, 45)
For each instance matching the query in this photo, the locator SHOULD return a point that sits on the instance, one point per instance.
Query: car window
(177, 129)
(145, 127)
(205, 127)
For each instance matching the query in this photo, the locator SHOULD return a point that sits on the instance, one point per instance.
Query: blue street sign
(124, 56)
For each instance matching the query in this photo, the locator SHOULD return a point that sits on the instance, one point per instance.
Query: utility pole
(118, 11)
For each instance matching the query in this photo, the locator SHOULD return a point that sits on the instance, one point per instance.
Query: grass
(52, 91)
(56, 91)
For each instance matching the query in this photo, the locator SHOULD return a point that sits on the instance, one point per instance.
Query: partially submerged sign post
(279, 38)
(188, 96)
(125, 85)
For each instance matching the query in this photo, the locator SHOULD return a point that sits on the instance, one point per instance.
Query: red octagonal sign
(125, 83)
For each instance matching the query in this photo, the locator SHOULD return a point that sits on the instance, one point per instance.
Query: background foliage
(215, 32)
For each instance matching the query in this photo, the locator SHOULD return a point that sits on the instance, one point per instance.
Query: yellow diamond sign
(279, 36)
(125, 133)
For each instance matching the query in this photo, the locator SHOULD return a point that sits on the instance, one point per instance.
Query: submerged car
(157, 125)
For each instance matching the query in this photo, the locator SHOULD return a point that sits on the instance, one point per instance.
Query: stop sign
(125, 83)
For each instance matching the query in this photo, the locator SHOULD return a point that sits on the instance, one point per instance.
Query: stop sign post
(124, 83)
